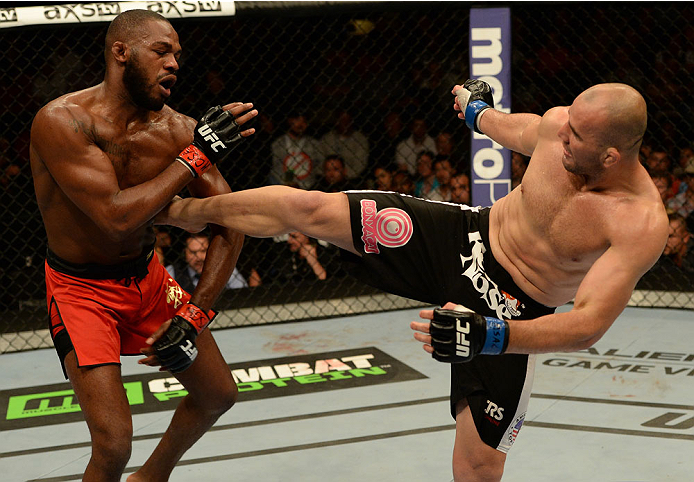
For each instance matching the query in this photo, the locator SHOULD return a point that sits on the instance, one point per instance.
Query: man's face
(297, 125)
(444, 171)
(419, 128)
(150, 70)
(196, 251)
(403, 183)
(334, 171)
(383, 179)
(658, 161)
(444, 144)
(582, 153)
(663, 188)
(677, 238)
(424, 165)
(460, 189)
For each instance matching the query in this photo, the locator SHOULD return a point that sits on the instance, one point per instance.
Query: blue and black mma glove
(458, 336)
(176, 348)
(474, 98)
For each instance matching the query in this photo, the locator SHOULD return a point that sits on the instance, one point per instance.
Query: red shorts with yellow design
(103, 312)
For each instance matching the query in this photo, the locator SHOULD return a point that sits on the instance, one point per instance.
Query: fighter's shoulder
(64, 116)
(640, 222)
(178, 124)
(553, 119)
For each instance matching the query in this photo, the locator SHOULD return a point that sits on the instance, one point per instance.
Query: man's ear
(611, 157)
(120, 51)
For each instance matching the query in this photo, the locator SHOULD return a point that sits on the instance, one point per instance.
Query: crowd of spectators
(672, 171)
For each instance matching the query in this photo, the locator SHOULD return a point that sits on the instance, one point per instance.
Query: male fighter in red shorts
(105, 161)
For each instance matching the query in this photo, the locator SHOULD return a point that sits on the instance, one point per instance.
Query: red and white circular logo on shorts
(390, 227)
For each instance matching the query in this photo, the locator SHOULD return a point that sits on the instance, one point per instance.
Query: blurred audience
(383, 178)
(444, 171)
(407, 151)
(334, 177)
(460, 189)
(295, 155)
(426, 178)
(352, 146)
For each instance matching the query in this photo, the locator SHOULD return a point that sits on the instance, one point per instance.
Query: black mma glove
(176, 349)
(474, 98)
(457, 336)
(215, 136)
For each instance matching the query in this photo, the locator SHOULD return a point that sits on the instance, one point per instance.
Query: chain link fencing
(352, 79)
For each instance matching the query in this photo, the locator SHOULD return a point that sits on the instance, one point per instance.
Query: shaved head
(620, 115)
(127, 25)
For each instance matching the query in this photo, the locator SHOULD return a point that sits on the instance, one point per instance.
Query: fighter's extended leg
(268, 211)
(211, 392)
(473, 460)
(102, 398)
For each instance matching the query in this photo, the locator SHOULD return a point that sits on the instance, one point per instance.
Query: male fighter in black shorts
(585, 224)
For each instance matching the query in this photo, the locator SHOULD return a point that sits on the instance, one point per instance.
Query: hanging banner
(490, 61)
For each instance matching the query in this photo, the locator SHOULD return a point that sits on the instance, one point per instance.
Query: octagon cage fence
(362, 71)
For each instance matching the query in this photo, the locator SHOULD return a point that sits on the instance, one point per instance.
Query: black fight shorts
(438, 252)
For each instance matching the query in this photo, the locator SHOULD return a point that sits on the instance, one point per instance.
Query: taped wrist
(195, 160)
(473, 114)
(496, 341)
(195, 316)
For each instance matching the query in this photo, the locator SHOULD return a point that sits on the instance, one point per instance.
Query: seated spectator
(426, 181)
(444, 171)
(403, 183)
(291, 258)
(386, 139)
(683, 203)
(680, 244)
(188, 274)
(352, 146)
(384, 178)
(334, 177)
(446, 146)
(663, 181)
(658, 160)
(295, 155)
(686, 163)
(519, 164)
(460, 189)
(407, 151)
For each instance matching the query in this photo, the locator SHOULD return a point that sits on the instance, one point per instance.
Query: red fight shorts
(103, 312)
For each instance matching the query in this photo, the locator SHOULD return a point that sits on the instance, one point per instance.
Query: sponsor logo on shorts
(517, 424)
(494, 413)
(390, 227)
(174, 294)
(501, 302)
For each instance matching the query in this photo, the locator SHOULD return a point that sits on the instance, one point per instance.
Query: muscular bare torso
(548, 232)
(138, 149)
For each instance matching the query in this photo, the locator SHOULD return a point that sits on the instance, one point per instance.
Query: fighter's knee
(113, 446)
(220, 400)
(305, 203)
(478, 470)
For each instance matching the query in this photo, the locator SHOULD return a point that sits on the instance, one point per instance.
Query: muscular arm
(601, 297)
(65, 142)
(225, 245)
(517, 132)
(268, 211)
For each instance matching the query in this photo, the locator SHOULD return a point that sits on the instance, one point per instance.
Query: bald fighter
(586, 223)
(105, 161)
